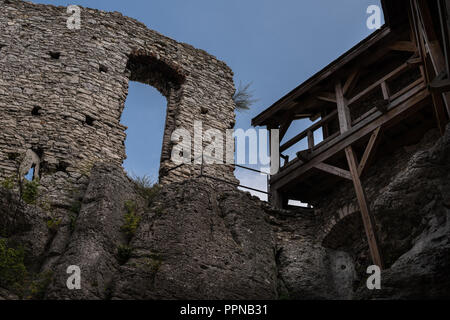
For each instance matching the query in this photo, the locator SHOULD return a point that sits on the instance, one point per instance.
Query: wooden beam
(290, 98)
(386, 91)
(343, 110)
(444, 10)
(327, 96)
(310, 139)
(304, 155)
(440, 85)
(369, 152)
(439, 112)
(429, 70)
(378, 83)
(367, 218)
(429, 36)
(382, 106)
(414, 61)
(334, 170)
(408, 46)
(407, 88)
(417, 99)
(284, 128)
(351, 81)
(276, 199)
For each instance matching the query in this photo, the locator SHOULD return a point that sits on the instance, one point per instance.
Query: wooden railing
(381, 84)
(308, 133)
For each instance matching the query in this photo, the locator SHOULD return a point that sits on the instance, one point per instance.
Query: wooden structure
(387, 91)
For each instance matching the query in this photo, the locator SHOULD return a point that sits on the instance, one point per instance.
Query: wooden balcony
(386, 92)
(392, 108)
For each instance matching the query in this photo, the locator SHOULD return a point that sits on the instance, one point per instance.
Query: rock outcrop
(199, 239)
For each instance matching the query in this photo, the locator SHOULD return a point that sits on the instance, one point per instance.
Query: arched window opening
(144, 115)
(30, 174)
(147, 114)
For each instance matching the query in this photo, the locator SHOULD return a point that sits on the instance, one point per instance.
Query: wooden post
(276, 199)
(365, 212)
(427, 37)
(310, 139)
(325, 131)
(343, 110)
(386, 92)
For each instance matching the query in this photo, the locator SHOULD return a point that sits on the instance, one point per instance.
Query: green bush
(76, 207)
(146, 188)
(30, 191)
(53, 224)
(243, 97)
(131, 219)
(38, 287)
(73, 221)
(124, 253)
(12, 269)
(131, 206)
(151, 265)
(9, 183)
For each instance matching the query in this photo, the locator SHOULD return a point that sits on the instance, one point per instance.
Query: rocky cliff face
(202, 240)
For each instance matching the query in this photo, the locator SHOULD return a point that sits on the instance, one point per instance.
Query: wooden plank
(369, 152)
(364, 116)
(354, 134)
(367, 217)
(378, 83)
(331, 137)
(343, 110)
(414, 61)
(334, 170)
(407, 88)
(403, 46)
(326, 96)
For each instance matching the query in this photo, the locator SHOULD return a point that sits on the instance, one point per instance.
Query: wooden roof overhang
(302, 102)
(376, 94)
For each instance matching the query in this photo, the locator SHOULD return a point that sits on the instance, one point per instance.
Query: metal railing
(202, 174)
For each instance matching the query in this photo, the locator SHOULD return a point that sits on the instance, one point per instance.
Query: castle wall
(62, 91)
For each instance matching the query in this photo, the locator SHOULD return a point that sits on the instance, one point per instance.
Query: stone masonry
(62, 91)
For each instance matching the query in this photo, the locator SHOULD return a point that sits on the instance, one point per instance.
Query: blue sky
(275, 44)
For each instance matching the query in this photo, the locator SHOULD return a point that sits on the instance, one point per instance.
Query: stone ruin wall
(62, 91)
